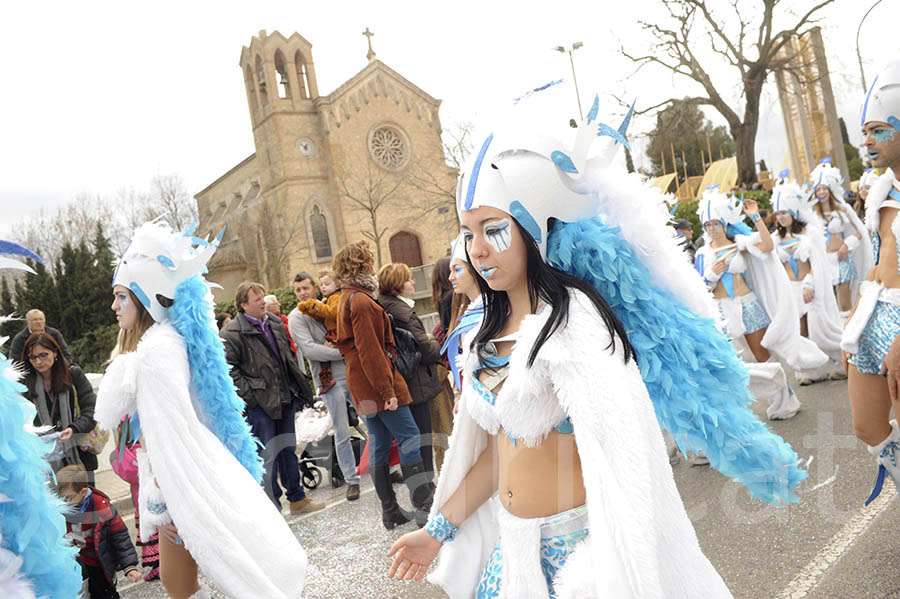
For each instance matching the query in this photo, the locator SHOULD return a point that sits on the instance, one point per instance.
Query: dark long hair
(60, 379)
(797, 227)
(552, 286)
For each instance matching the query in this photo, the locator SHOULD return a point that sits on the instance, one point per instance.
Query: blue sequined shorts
(876, 338)
(846, 270)
(754, 315)
(560, 535)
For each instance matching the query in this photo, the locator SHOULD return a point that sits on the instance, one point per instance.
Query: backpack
(407, 355)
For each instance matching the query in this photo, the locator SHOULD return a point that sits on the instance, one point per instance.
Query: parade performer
(198, 464)
(801, 248)
(35, 560)
(742, 270)
(844, 233)
(467, 311)
(560, 406)
(870, 337)
(865, 184)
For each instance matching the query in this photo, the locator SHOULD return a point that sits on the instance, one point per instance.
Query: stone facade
(374, 141)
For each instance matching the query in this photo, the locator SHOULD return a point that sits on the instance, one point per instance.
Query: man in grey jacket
(309, 335)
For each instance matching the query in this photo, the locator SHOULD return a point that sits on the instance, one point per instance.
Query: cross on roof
(371, 54)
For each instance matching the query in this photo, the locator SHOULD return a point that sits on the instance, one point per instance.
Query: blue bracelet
(754, 218)
(440, 528)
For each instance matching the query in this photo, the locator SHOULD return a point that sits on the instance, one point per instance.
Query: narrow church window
(251, 90)
(319, 227)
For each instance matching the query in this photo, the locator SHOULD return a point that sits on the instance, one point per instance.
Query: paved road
(825, 547)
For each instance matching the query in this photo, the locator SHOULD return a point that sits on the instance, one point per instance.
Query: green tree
(7, 307)
(39, 292)
(683, 125)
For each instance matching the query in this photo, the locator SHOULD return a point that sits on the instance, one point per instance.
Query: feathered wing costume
(687, 379)
(860, 248)
(35, 561)
(200, 468)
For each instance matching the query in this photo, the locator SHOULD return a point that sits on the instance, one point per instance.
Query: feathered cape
(35, 561)
(641, 543)
(228, 524)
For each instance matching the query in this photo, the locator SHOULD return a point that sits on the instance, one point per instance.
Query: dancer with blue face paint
(589, 308)
(847, 246)
(198, 465)
(870, 339)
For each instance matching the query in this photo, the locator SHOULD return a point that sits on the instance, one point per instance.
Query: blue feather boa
(32, 523)
(192, 316)
(695, 379)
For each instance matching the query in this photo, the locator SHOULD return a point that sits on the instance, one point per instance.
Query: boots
(421, 489)
(391, 514)
(888, 454)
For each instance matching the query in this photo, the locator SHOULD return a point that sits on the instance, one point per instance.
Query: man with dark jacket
(684, 230)
(269, 380)
(35, 322)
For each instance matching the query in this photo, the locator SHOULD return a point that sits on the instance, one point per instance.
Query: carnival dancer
(555, 411)
(747, 281)
(844, 233)
(800, 245)
(865, 184)
(467, 311)
(198, 464)
(35, 560)
(870, 337)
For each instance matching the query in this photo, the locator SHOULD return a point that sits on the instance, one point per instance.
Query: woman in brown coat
(366, 342)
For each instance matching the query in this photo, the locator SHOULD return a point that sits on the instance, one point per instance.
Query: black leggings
(421, 413)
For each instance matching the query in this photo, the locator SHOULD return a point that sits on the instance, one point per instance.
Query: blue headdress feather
(192, 316)
(9, 247)
(695, 379)
(32, 523)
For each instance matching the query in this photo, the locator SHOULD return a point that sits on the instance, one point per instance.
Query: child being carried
(325, 312)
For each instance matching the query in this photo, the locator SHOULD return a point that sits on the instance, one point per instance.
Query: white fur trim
(118, 391)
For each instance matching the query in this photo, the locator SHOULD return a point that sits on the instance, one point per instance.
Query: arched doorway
(405, 248)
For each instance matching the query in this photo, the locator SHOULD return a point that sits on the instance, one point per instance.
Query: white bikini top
(736, 263)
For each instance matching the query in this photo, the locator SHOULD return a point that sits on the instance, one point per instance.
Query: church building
(363, 162)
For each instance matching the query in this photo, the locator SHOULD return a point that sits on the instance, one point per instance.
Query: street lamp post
(574, 47)
(862, 73)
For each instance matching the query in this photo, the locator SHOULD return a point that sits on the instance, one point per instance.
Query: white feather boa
(641, 544)
(226, 521)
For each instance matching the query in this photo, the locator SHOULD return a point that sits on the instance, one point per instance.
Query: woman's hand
(391, 404)
(66, 434)
(718, 266)
(413, 553)
(808, 296)
(169, 533)
(135, 576)
(750, 207)
(843, 252)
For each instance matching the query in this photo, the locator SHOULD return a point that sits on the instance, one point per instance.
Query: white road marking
(843, 540)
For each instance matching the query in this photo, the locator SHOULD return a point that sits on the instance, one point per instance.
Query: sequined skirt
(876, 338)
(560, 535)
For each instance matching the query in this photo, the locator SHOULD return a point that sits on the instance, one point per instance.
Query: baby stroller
(313, 428)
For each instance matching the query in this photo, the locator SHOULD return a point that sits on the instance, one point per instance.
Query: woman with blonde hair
(198, 465)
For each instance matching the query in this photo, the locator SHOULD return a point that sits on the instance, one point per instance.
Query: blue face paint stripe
(470, 192)
(866, 104)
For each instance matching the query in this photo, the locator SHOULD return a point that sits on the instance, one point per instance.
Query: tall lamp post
(574, 47)
(862, 73)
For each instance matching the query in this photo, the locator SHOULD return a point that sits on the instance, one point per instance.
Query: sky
(101, 96)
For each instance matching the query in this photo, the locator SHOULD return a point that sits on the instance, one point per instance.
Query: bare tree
(275, 235)
(438, 187)
(368, 190)
(170, 198)
(751, 46)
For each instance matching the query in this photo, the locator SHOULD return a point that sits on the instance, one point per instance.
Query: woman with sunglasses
(63, 398)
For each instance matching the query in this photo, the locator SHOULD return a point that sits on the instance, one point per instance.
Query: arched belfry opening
(261, 80)
(302, 75)
(284, 85)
